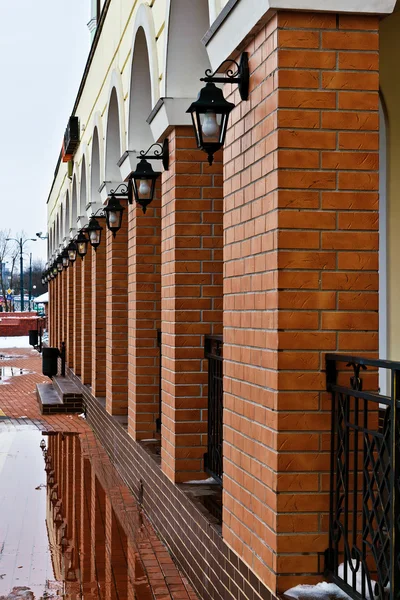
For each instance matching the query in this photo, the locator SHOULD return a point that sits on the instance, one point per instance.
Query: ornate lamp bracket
(241, 75)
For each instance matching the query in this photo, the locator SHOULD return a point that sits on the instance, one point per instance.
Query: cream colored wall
(112, 59)
(390, 88)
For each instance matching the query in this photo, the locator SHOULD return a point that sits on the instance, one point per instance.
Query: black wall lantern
(143, 180)
(65, 259)
(94, 230)
(113, 211)
(210, 112)
(59, 263)
(72, 251)
(82, 244)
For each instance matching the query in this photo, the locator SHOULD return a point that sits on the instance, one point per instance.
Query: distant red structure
(17, 324)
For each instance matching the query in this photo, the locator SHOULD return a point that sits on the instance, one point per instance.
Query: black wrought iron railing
(62, 359)
(363, 557)
(213, 350)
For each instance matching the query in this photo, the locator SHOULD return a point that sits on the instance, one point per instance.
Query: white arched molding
(185, 57)
(74, 205)
(66, 212)
(95, 173)
(114, 144)
(214, 9)
(144, 20)
(84, 185)
(185, 61)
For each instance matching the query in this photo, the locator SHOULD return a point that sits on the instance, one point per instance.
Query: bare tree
(8, 250)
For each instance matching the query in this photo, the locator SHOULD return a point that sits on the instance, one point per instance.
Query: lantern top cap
(93, 224)
(211, 99)
(144, 170)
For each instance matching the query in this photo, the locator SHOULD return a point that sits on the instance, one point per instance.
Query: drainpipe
(94, 17)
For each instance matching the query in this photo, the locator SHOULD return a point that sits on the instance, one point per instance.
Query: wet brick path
(156, 577)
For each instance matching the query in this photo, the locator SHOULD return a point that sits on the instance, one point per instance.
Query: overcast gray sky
(44, 45)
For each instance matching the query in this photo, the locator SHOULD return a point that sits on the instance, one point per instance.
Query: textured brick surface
(144, 273)
(300, 276)
(117, 319)
(191, 299)
(86, 317)
(98, 317)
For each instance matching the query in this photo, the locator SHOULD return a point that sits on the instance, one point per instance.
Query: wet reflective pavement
(7, 373)
(69, 527)
(25, 555)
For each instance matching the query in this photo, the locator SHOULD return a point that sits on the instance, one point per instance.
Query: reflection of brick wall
(12, 325)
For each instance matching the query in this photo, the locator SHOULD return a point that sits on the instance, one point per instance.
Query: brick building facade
(273, 251)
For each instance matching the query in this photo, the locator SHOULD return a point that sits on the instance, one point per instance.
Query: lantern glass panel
(72, 254)
(65, 261)
(59, 267)
(94, 236)
(82, 248)
(114, 218)
(210, 123)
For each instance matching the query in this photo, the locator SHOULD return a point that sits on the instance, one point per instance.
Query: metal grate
(363, 557)
(213, 458)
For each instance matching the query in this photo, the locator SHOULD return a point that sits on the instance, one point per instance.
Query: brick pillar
(86, 318)
(191, 255)
(116, 556)
(77, 287)
(77, 501)
(99, 305)
(85, 540)
(50, 313)
(69, 484)
(69, 315)
(117, 320)
(144, 319)
(300, 277)
(98, 516)
(63, 279)
(58, 308)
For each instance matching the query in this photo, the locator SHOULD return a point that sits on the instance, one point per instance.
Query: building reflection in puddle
(101, 548)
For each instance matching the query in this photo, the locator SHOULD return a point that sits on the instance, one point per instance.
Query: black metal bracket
(121, 194)
(241, 75)
(161, 152)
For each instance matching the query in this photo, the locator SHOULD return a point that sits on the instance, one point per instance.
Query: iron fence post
(63, 357)
(395, 546)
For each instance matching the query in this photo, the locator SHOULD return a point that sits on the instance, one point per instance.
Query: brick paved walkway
(156, 576)
(18, 394)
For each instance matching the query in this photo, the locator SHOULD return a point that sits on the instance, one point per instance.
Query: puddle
(70, 528)
(7, 372)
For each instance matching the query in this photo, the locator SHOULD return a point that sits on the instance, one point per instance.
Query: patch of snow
(15, 342)
(209, 481)
(325, 591)
(330, 591)
(358, 579)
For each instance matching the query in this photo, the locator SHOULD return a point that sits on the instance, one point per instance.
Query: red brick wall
(144, 318)
(191, 304)
(300, 276)
(13, 324)
(86, 325)
(99, 305)
(117, 320)
(70, 317)
(77, 316)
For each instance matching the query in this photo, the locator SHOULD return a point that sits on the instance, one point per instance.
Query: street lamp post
(21, 242)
